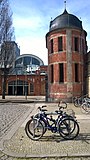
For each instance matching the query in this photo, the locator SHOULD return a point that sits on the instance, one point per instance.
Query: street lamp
(26, 86)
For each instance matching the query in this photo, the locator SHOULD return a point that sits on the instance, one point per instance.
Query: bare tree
(6, 28)
(6, 36)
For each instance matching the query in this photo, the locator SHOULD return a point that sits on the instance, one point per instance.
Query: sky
(31, 19)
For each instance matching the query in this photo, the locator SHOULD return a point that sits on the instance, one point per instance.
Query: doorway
(17, 88)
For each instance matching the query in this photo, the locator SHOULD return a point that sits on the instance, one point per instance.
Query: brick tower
(66, 44)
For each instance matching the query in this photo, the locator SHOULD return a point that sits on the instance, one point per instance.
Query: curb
(17, 101)
(18, 155)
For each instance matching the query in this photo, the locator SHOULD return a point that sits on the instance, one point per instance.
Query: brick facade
(72, 60)
(31, 84)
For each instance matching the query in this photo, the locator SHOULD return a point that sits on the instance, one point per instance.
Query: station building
(27, 77)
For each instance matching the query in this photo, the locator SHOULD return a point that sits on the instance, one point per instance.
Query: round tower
(66, 44)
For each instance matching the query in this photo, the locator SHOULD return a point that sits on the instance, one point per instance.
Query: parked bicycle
(65, 125)
(85, 107)
(78, 101)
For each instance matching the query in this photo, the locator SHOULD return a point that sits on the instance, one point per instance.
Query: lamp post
(3, 74)
(46, 86)
(25, 72)
(4, 70)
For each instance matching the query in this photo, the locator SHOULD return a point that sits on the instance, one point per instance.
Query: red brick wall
(69, 87)
(37, 80)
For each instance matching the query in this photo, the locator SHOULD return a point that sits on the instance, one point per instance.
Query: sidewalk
(50, 145)
(22, 99)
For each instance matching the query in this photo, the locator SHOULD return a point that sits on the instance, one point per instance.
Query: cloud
(28, 23)
(36, 46)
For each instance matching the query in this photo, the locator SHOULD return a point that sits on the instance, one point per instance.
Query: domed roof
(27, 59)
(65, 20)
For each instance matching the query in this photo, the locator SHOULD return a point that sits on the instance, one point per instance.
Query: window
(60, 44)
(76, 73)
(51, 45)
(26, 60)
(76, 44)
(61, 72)
(83, 46)
(31, 88)
(35, 61)
(52, 73)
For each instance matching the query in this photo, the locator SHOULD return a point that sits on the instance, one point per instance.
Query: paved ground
(9, 115)
(15, 144)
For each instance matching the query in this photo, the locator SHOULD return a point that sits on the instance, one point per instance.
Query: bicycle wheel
(68, 128)
(34, 129)
(85, 108)
(77, 103)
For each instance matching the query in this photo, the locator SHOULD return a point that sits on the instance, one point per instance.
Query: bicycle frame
(44, 118)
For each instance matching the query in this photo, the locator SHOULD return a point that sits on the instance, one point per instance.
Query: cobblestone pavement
(10, 114)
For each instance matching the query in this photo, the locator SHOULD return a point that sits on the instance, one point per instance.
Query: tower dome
(65, 20)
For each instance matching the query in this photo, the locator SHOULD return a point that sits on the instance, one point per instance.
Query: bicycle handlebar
(43, 106)
(62, 105)
(41, 109)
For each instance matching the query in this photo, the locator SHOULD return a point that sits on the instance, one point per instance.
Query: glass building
(27, 64)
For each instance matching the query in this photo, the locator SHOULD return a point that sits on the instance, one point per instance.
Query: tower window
(76, 44)
(52, 73)
(60, 44)
(83, 46)
(51, 42)
(61, 72)
(76, 73)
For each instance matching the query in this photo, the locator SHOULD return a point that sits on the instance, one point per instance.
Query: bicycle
(65, 125)
(34, 125)
(42, 116)
(85, 107)
(78, 101)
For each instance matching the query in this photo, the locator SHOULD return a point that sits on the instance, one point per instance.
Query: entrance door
(18, 88)
(10, 90)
